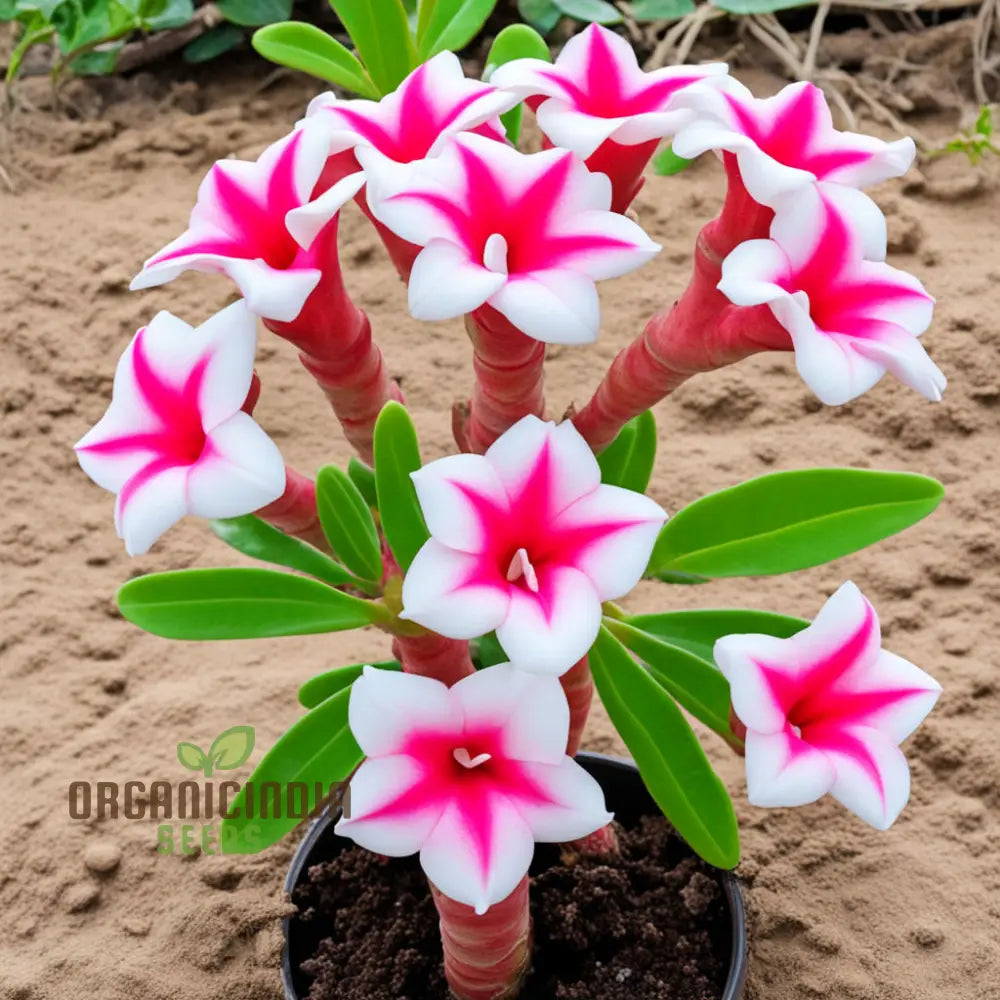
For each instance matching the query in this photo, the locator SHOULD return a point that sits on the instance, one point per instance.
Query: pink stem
(599, 844)
(578, 686)
(486, 957)
(702, 331)
(509, 383)
(433, 655)
(624, 165)
(294, 512)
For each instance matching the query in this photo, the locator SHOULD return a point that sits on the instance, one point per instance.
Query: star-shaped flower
(785, 142)
(850, 315)
(470, 776)
(175, 439)
(596, 101)
(526, 540)
(527, 234)
(243, 225)
(826, 711)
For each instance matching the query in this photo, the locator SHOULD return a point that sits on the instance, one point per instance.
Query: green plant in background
(976, 141)
(90, 34)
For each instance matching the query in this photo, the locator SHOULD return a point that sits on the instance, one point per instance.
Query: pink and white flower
(243, 225)
(850, 315)
(174, 439)
(826, 711)
(527, 234)
(785, 142)
(434, 102)
(596, 101)
(526, 540)
(470, 776)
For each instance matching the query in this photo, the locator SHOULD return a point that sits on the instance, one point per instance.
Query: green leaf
(8, 10)
(669, 757)
(697, 685)
(542, 15)
(660, 10)
(191, 756)
(452, 25)
(397, 454)
(787, 521)
(44, 7)
(251, 13)
(259, 540)
(220, 39)
(381, 34)
(486, 651)
(98, 62)
(697, 631)
(348, 523)
(317, 689)
(984, 122)
(240, 604)
(682, 579)
(363, 476)
(161, 15)
(597, 11)
(317, 750)
(628, 460)
(666, 163)
(308, 49)
(232, 748)
(516, 41)
(760, 6)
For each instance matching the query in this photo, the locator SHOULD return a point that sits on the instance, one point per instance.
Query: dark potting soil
(649, 925)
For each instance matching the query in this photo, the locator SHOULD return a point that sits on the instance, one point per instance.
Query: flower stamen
(462, 756)
(520, 566)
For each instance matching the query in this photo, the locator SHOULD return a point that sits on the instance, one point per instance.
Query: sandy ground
(839, 911)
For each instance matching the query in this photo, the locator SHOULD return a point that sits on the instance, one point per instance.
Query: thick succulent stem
(486, 957)
(509, 377)
(624, 165)
(702, 331)
(433, 655)
(335, 342)
(294, 512)
(578, 686)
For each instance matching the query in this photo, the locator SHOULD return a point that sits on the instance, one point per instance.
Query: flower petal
(549, 631)
(152, 501)
(616, 555)
(750, 662)
(575, 806)
(556, 307)
(898, 351)
(478, 851)
(387, 707)
(307, 221)
(531, 709)
(445, 282)
(782, 770)
(453, 593)
(378, 785)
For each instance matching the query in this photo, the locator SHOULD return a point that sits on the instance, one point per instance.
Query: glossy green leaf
(397, 454)
(628, 460)
(452, 25)
(486, 651)
(306, 48)
(516, 41)
(240, 604)
(213, 43)
(697, 631)
(760, 6)
(682, 579)
(162, 15)
(542, 15)
(259, 540)
(666, 163)
(596, 11)
(697, 685)
(660, 10)
(788, 521)
(97, 62)
(363, 476)
(348, 523)
(381, 34)
(317, 689)
(317, 750)
(670, 759)
(251, 13)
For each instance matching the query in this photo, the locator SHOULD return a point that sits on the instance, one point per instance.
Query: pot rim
(739, 947)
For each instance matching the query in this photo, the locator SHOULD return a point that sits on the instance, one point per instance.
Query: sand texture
(91, 911)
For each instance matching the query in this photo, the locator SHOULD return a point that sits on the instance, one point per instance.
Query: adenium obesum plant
(495, 571)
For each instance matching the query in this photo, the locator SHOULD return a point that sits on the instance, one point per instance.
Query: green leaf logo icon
(231, 748)
(191, 756)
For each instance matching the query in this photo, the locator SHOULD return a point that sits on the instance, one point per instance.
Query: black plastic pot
(626, 797)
